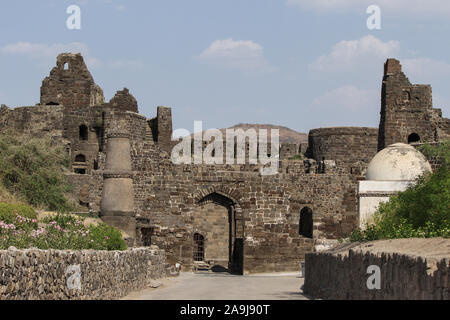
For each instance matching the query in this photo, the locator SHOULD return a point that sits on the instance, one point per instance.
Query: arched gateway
(218, 219)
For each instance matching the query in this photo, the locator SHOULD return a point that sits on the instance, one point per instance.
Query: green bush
(8, 212)
(423, 210)
(63, 232)
(106, 237)
(34, 169)
(297, 157)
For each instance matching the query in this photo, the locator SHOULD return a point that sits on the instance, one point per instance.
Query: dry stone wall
(45, 274)
(343, 276)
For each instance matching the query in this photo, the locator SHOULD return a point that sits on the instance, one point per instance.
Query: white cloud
(42, 51)
(244, 55)
(347, 106)
(49, 52)
(425, 68)
(416, 8)
(347, 97)
(350, 54)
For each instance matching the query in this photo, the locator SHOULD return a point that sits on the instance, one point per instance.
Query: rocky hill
(286, 135)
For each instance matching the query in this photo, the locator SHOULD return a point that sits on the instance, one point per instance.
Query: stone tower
(117, 204)
(407, 113)
(71, 84)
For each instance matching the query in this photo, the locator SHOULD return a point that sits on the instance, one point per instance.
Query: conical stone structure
(117, 205)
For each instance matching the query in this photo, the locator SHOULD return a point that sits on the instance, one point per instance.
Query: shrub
(422, 210)
(61, 232)
(34, 169)
(106, 237)
(8, 212)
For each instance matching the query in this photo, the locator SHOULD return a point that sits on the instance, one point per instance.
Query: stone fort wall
(264, 219)
(407, 113)
(166, 197)
(345, 145)
(44, 274)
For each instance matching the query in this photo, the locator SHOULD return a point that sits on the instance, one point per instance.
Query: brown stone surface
(262, 230)
(34, 274)
(410, 269)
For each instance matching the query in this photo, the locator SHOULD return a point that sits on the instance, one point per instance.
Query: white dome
(398, 162)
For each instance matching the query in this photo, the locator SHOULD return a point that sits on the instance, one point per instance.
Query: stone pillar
(117, 205)
(164, 116)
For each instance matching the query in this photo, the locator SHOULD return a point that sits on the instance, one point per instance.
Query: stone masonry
(51, 274)
(249, 222)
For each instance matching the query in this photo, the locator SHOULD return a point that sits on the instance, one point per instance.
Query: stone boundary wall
(403, 277)
(35, 274)
(345, 145)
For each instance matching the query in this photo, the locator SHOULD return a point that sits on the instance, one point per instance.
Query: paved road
(222, 286)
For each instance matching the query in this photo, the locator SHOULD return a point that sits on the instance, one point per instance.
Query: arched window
(306, 223)
(66, 66)
(413, 137)
(199, 247)
(83, 132)
(406, 95)
(80, 158)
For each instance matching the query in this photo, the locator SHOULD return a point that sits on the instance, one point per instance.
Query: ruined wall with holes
(228, 204)
(70, 84)
(407, 113)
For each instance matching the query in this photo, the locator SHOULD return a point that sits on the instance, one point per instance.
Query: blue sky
(299, 63)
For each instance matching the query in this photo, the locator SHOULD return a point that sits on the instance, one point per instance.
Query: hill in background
(286, 135)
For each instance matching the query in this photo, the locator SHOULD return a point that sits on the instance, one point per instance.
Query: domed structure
(398, 162)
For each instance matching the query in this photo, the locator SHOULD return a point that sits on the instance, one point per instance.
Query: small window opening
(413, 137)
(83, 133)
(199, 247)
(147, 236)
(80, 171)
(80, 158)
(306, 223)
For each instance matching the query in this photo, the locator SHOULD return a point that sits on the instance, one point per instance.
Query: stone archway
(218, 218)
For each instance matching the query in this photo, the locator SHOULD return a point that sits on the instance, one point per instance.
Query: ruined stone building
(224, 215)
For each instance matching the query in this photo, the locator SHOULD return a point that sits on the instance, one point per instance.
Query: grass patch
(32, 171)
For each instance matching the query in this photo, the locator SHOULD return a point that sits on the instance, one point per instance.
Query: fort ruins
(226, 215)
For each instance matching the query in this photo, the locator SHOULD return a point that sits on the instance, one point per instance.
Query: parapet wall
(34, 120)
(404, 275)
(45, 274)
(343, 144)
